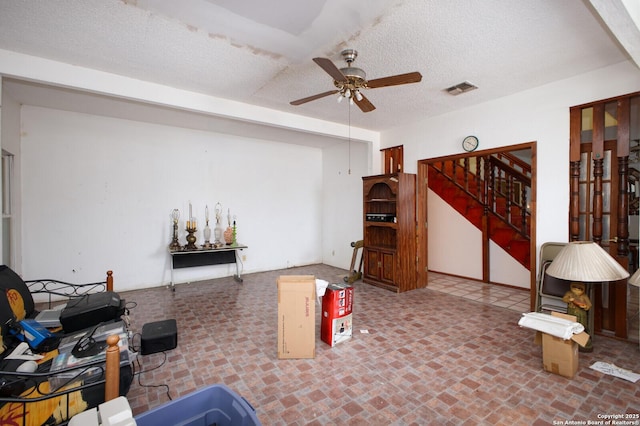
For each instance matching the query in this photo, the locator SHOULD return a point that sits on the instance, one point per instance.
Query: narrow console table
(206, 256)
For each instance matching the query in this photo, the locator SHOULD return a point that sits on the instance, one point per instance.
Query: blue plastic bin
(216, 404)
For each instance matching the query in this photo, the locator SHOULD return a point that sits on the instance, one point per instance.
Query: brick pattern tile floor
(429, 357)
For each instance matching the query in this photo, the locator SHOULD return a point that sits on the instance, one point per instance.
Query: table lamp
(586, 262)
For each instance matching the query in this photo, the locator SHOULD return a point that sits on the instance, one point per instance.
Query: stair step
(474, 216)
(460, 204)
(520, 250)
(502, 237)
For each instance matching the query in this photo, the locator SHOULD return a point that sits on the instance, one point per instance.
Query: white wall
(452, 226)
(504, 269)
(541, 115)
(98, 193)
(342, 202)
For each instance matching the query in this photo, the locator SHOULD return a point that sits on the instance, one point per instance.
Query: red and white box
(337, 307)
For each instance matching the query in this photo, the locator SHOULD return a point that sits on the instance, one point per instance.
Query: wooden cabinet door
(380, 266)
(387, 267)
(371, 264)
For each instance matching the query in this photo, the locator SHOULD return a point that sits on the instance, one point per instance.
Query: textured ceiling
(260, 52)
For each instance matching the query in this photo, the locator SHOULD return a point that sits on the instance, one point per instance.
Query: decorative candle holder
(191, 237)
(218, 229)
(175, 245)
(207, 230)
(207, 236)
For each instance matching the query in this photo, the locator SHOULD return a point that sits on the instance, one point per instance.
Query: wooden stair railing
(516, 163)
(510, 187)
(466, 175)
(499, 187)
(495, 184)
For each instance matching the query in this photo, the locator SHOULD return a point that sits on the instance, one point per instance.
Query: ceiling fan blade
(394, 80)
(313, 98)
(365, 105)
(330, 68)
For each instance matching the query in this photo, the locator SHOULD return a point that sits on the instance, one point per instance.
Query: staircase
(491, 193)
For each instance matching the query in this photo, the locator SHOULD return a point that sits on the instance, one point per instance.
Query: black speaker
(91, 309)
(159, 336)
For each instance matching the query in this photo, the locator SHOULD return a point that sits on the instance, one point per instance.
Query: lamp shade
(586, 261)
(635, 278)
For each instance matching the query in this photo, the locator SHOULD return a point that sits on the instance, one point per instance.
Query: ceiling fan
(350, 81)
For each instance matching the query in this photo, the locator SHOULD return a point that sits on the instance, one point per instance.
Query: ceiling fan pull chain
(349, 138)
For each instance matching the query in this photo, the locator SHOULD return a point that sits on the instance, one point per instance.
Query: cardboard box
(337, 305)
(561, 356)
(296, 316)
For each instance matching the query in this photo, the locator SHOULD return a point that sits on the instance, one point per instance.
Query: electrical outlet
(244, 257)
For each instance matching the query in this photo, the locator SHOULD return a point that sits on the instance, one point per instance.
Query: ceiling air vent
(460, 88)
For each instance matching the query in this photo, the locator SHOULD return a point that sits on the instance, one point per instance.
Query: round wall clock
(470, 143)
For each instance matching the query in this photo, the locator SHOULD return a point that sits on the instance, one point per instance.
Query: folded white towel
(555, 326)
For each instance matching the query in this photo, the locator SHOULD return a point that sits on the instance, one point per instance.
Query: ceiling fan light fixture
(356, 74)
(350, 80)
